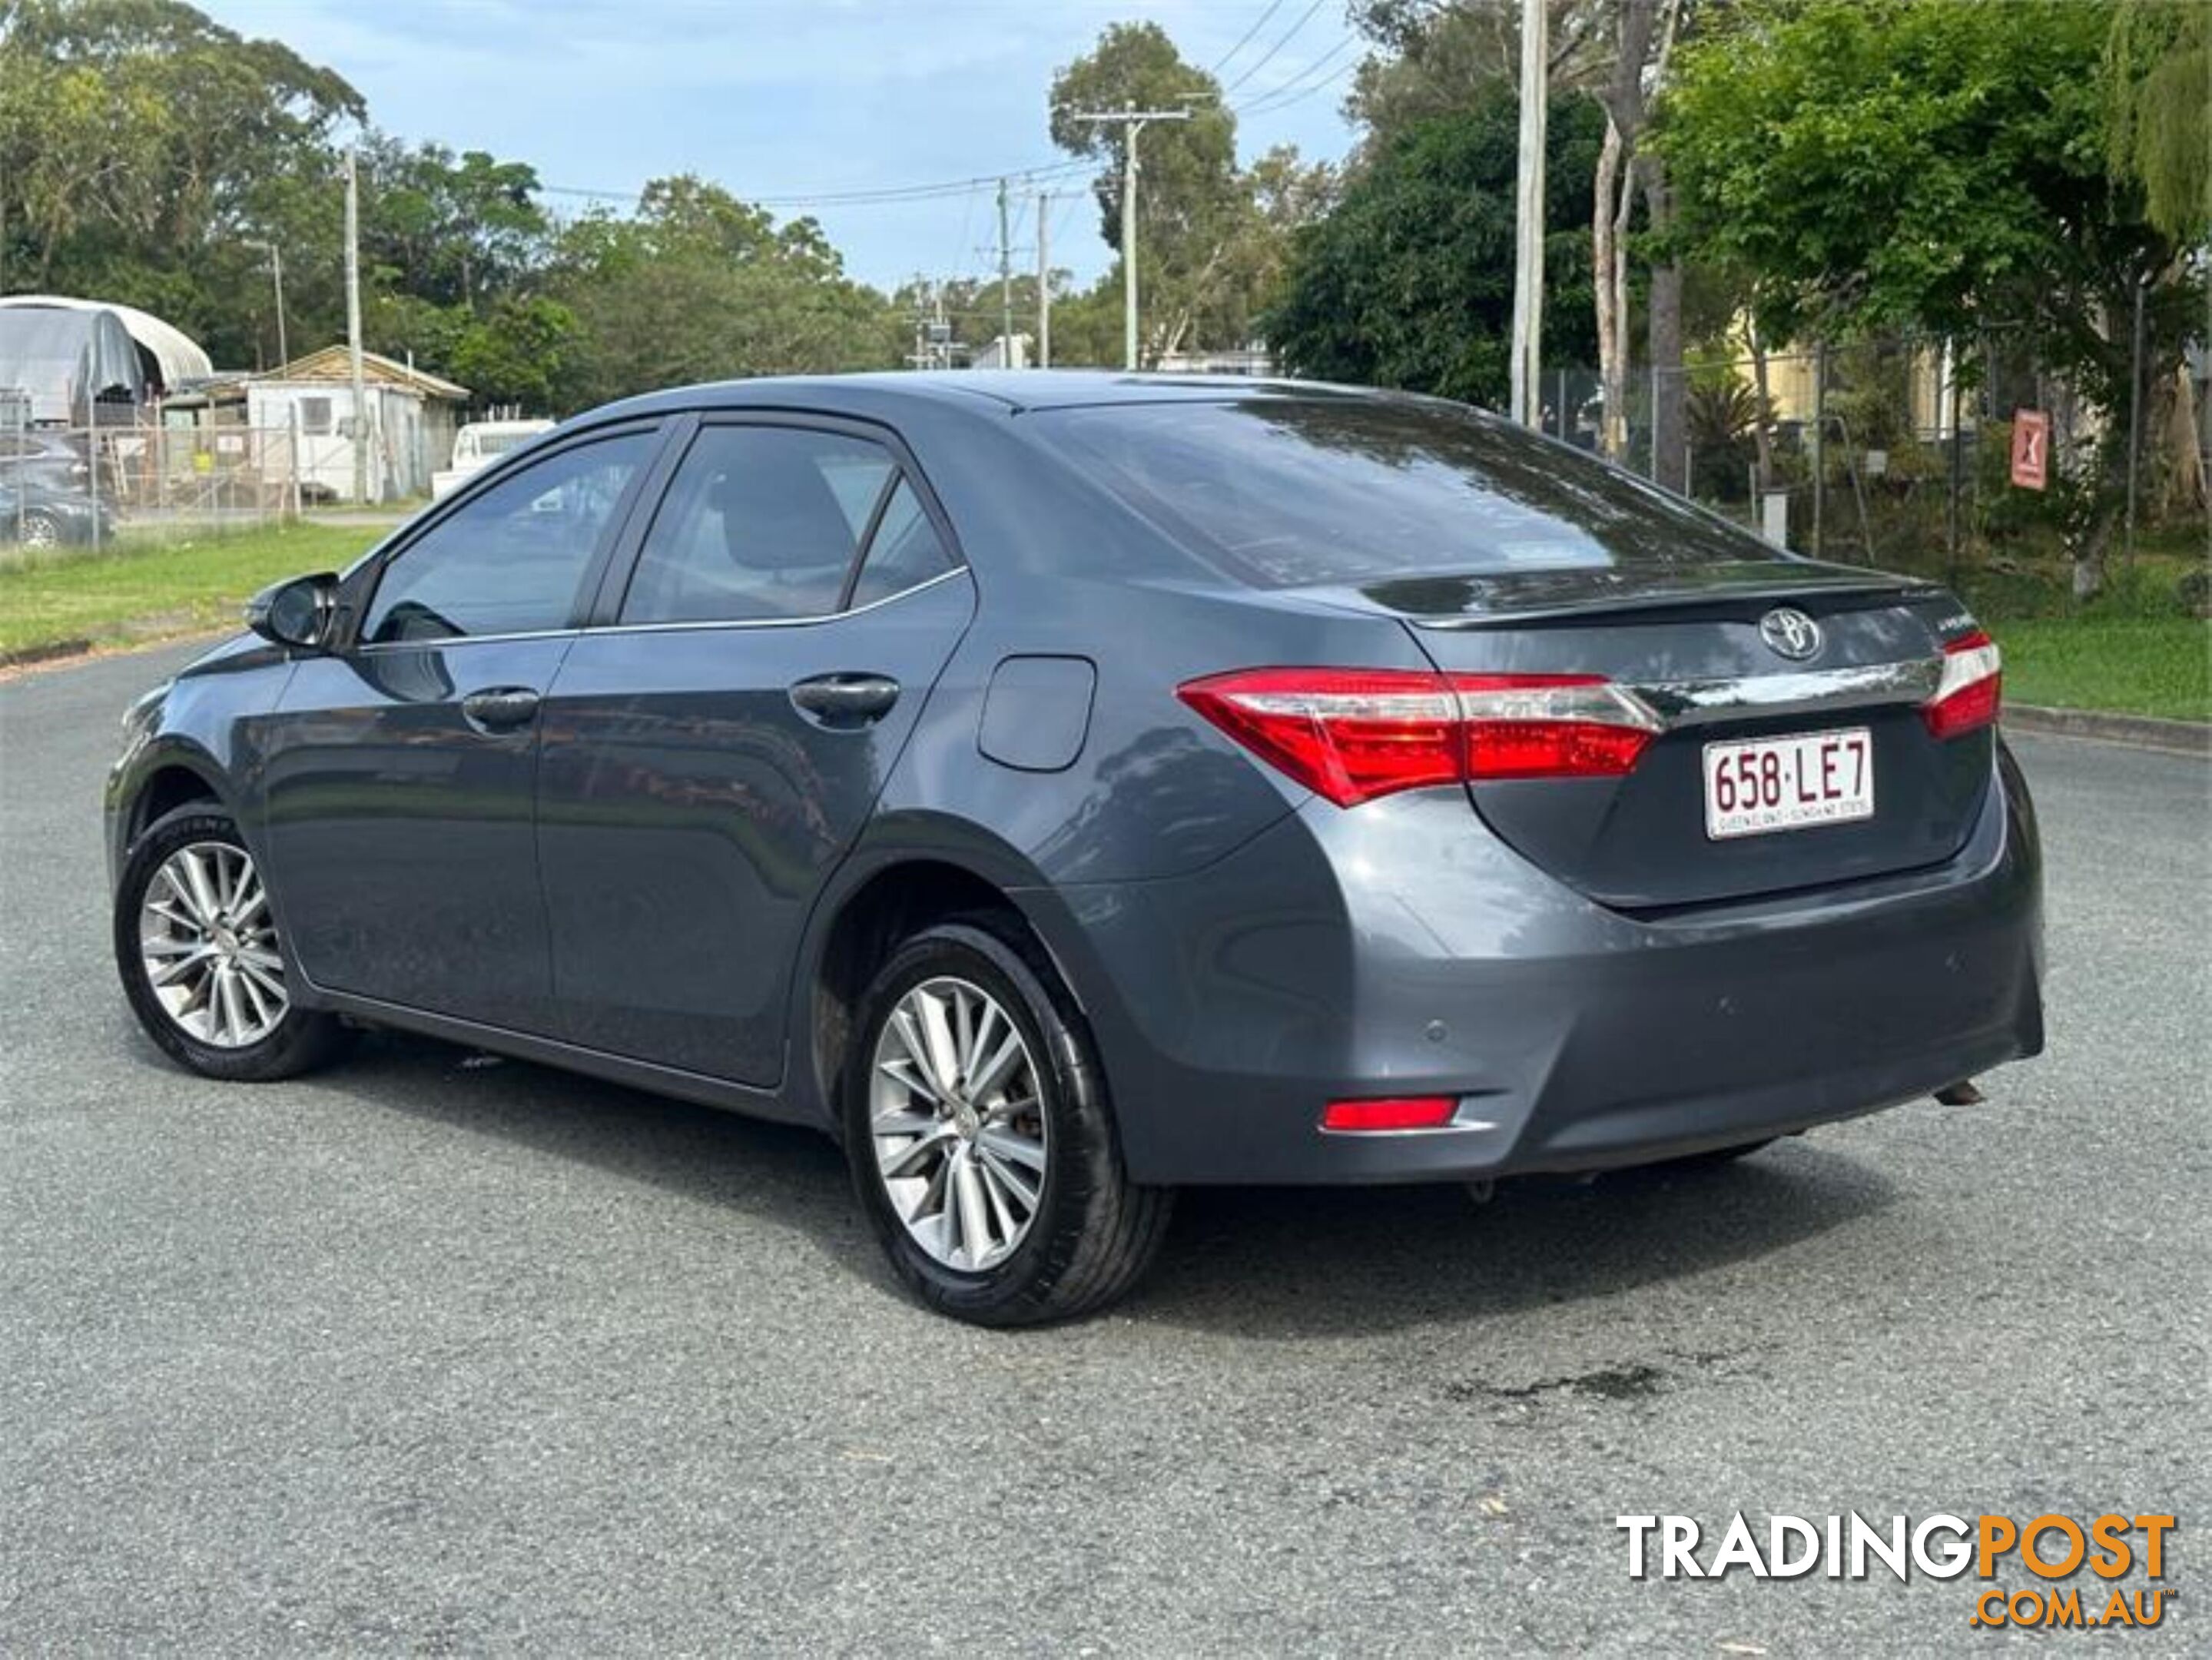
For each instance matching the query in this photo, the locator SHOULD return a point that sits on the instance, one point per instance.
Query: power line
(882, 194)
(1303, 88)
(1269, 56)
(1245, 40)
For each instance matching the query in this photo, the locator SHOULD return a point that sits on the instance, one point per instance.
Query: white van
(478, 444)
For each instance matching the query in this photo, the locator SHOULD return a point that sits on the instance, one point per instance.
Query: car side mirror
(296, 612)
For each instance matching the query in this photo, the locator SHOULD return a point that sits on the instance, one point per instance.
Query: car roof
(1011, 390)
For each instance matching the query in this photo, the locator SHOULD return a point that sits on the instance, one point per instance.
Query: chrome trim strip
(1819, 691)
(781, 622)
(446, 642)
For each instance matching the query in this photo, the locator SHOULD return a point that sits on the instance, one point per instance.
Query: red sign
(2031, 448)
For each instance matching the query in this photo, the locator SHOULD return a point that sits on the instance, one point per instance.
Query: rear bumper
(1400, 950)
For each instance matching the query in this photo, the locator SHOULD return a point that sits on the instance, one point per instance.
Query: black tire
(1094, 1231)
(300, 1040)
(40, 530)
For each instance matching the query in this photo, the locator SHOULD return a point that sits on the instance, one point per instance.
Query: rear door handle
(499, 708)
(845, 700)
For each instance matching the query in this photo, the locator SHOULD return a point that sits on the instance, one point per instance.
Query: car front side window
(759, 524)
(511, 560)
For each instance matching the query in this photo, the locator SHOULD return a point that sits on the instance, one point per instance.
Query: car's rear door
(398, 770)
(713, 749)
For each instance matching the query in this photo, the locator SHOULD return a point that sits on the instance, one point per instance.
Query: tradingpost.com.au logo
(2044, 1552)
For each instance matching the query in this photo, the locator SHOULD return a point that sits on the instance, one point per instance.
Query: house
(305, 409)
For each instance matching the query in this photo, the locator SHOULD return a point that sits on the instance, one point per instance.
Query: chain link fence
(62, 487)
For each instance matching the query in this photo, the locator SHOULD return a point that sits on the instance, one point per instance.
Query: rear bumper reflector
(1405, 1112)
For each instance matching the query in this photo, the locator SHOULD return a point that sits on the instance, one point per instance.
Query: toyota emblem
(1790, 633)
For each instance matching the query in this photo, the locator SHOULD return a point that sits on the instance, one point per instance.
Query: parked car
(54, 460)
(1062, 788)
(476, 445)
(32, 515)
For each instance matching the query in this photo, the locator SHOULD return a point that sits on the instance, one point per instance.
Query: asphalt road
(433, 1354)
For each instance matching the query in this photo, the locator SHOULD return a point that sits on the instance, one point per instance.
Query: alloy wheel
(208, 946)
(961, 1143)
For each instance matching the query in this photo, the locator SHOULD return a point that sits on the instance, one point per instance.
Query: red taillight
(1353, 734)
(1967, 697)
(1549, 726)
(1408, 1112)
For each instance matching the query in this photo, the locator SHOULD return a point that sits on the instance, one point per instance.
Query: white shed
(307, 406)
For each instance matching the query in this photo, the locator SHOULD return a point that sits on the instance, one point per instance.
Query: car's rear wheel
(38, 530)
(196, 943)
(981, 1142)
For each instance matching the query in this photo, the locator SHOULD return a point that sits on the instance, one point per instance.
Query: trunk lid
(1688, 641)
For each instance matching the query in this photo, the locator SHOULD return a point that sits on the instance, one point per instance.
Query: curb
(2138, 731)
(46, 652)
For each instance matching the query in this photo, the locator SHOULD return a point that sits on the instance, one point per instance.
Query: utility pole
(1044, 281)
(1528, 218)
(353, 328)
(1133, 121)
(1005, 287)
(277, 275)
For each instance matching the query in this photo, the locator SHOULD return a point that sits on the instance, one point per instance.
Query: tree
(1640, 33)
(1434, 57)
(139, 141)
(2158, 76)
(702, 286)
(450, 229)
(1210, 235)
(1932, 164)
(514, 355)
(1409, 281)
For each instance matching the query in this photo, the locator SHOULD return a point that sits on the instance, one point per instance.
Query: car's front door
(709, 755)
(398, 781)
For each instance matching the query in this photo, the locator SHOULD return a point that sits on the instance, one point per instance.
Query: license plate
(1767, 784)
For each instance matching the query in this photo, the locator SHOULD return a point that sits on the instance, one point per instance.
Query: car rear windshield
(1282, 492)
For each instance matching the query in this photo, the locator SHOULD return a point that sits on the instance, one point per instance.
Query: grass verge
(137, 591)
(2135, 665)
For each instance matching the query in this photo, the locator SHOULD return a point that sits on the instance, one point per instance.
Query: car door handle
(499, 708)
(845, 700)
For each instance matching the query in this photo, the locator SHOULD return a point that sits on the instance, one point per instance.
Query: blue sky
(784, 99)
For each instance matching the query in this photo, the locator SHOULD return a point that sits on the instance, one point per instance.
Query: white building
(301, 417)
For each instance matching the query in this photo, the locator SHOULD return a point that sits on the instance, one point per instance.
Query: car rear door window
(760, 523)
(511, 560)
(905, 552)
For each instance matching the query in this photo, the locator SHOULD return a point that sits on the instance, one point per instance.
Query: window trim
(818, 620)
(369, 575)
(605, 615)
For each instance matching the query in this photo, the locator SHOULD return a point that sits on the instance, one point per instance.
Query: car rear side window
(905, 552)
(759, 523)
(1284, 491)
(509, 561)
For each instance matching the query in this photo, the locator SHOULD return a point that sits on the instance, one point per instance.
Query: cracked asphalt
(433, 1354)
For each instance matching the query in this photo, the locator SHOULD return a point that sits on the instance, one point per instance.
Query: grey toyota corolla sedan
(1065, 788)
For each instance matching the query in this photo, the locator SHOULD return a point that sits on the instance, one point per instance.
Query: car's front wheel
(981, 1142)
(196, 943)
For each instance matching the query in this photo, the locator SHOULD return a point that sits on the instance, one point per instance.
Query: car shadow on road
(1296, 1263)
(1282, 1263)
